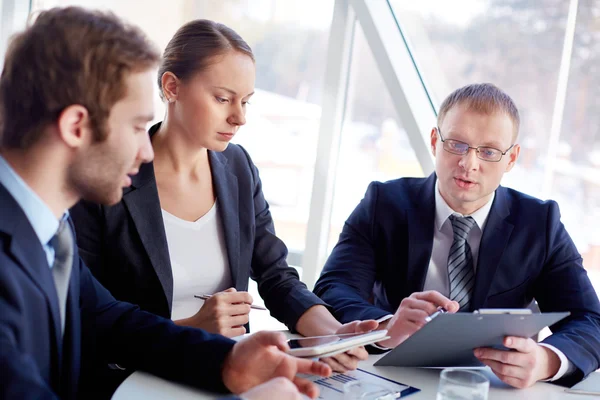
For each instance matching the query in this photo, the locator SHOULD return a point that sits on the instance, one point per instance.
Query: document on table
(332, 388)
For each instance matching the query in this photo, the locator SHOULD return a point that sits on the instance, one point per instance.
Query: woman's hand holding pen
(412, 313)
(224, 313)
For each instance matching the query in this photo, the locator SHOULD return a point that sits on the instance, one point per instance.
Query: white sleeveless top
(198, 260)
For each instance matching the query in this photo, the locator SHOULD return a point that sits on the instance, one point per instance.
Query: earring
(171, 100)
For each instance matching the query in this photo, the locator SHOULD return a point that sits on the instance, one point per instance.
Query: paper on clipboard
(332, 388)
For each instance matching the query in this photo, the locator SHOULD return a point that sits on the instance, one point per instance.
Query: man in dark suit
(75, 96)
(460, 241)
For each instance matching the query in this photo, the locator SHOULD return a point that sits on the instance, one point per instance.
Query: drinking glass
(461, 384)
(361, 390)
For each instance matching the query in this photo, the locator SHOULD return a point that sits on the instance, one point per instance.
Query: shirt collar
(40, 216)
(443, 211)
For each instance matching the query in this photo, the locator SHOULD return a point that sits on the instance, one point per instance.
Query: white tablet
(317, 346)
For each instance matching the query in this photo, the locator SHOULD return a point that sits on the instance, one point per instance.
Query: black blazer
(525, 253)
(125, 245)
(36, 364)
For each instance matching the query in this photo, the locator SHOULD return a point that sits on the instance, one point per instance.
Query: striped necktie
(61, 268)
(460, 262)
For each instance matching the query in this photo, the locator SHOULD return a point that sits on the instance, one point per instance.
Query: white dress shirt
(443, 236)
(198, 260)
(437, 273)
(41, 218)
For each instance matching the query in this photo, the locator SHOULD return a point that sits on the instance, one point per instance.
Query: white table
(144, 386)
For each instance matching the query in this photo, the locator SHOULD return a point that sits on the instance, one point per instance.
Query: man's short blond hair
(484, 98)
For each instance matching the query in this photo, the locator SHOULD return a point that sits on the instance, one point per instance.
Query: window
(13, 14)
(374, 145)
(289, 40)
(518, 46)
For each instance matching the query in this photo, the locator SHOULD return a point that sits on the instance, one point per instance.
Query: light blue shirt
(40, 216)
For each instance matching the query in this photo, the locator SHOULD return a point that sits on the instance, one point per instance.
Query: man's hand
(224, 313)
(276, 388)
(262, 357)
(525, 365)
(349, 360)
(410, 316)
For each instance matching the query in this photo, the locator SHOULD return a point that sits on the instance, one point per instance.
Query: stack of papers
(332, 388)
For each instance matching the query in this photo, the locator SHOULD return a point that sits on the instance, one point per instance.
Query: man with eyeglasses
(460, 241)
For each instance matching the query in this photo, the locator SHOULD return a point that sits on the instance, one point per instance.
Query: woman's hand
(224, 313)
(349, 360)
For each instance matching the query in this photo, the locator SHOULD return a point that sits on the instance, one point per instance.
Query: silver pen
(208, 296)
(439, 311)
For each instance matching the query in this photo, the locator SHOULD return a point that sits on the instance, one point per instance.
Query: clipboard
(449, 339)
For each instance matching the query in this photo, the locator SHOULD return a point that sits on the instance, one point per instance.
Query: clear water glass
(462, 384)
(362, 390)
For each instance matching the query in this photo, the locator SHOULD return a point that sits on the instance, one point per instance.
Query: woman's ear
(170, 86)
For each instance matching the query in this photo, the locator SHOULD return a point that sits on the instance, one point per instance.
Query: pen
(208, 296)
(440, 310)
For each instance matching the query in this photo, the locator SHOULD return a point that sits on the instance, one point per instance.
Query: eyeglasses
(484, 153)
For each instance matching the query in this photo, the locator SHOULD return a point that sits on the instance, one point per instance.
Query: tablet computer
(321, 346)
(449, 339)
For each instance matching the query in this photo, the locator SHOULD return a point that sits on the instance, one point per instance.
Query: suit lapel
(26, 248)
(420, 235)
(226, 190)
(144, 207)
(493, 244)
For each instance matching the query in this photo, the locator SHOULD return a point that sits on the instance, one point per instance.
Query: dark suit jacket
(125, 245)
(36, 364)
(525, 253)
